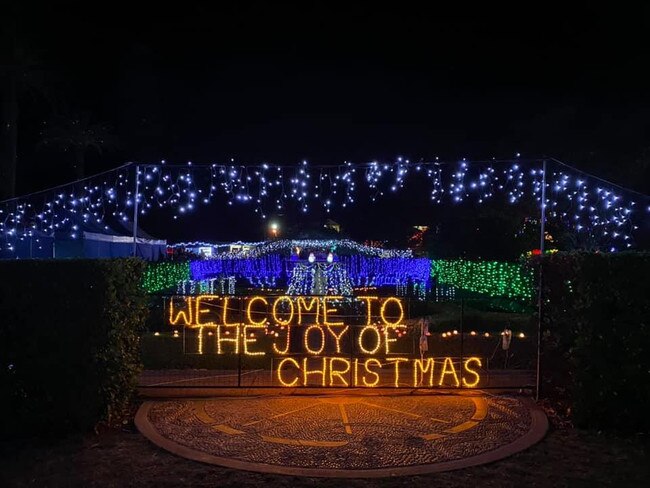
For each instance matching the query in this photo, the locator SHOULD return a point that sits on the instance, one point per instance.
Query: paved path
(344, 435)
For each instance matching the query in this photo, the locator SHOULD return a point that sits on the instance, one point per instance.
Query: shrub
(596, 337)
(69, 342)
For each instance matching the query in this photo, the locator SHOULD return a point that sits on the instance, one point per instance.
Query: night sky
(258, 81)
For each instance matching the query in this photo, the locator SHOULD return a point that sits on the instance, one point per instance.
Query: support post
(351, 356)
(540, 282)
(242, 339)
(136, 198)
(462, 338)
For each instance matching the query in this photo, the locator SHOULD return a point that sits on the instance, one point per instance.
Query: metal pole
(462, 338)
(242, 338)
(351, 354)
(543, 209)
(540, 282)
(462, 317)
(135, 207)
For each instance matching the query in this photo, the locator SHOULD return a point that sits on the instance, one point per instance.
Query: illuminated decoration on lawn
(320, 270)
(325, 341)
(443, 292)
(222, 285)
(588, 206)
(494, 278)
(319, 279)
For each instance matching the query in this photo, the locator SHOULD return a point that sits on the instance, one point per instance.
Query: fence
(273, 341)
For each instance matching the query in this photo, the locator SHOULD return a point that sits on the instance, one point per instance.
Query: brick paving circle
(344, 435)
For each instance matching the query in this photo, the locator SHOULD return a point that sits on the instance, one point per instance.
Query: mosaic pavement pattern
(343, 432)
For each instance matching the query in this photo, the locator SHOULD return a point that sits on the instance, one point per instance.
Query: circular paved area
(346, 436)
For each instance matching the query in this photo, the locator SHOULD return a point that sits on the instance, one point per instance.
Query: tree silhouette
(75, 133)
(19, 73)
(8, 131)
(24, 79)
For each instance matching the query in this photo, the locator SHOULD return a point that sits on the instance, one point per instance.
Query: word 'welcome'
(212, 310)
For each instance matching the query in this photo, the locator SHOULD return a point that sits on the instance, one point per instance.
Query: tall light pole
(540, 295)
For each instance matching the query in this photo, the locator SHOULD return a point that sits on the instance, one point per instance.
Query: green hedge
(493, 278)
(165, 276)
(596, 338)
(69, 342)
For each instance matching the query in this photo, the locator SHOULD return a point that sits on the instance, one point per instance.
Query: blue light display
(258, 271)
(358, 270)
(368, 271)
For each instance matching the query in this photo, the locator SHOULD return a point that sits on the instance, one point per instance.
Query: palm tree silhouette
(75, 133)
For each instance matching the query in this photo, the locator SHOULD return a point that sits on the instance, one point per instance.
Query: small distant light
(444, 334)
(487, 334)
(156, 334)
(522, 335)
(472, 333)
(455, 332)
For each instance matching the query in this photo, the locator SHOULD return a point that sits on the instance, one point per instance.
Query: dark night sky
(257, 81)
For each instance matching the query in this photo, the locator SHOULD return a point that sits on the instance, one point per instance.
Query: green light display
(493, 278)
(163, 276)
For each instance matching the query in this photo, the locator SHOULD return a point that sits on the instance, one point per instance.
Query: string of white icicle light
(586, 204)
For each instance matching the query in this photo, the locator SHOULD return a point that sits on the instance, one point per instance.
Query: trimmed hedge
(69, 342)
(596, 338)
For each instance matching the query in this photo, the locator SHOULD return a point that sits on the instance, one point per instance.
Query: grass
(124, 458)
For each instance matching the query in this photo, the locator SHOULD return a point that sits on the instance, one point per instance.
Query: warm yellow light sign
(311, 339)
(370, 372)
(284, 310)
